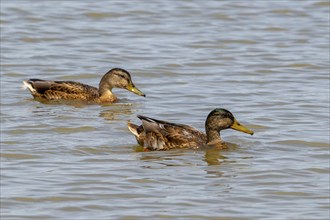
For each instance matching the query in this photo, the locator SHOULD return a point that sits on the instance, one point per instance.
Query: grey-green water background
(266, 61)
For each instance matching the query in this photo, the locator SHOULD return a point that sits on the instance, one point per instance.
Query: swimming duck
(69, 90)
(154, 134)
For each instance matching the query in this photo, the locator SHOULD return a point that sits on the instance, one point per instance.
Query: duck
(157, 135)
(70, 90)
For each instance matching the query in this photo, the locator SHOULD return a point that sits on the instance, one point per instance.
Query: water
(266, 61)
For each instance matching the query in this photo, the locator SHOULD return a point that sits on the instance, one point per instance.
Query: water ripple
(268, 63)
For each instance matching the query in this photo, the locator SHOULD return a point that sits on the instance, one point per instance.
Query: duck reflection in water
(117, 112)
(212, 156)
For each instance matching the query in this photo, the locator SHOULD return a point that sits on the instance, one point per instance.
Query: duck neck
(104, 85)
(105, 90)
(105, 93)
(213, 136)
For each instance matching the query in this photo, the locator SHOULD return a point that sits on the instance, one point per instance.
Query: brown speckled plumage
(154, 134)
(69, 90)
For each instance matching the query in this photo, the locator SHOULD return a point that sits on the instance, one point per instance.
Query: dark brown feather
(69, 90)
(162, 135)
(63, 90)
(155, 134)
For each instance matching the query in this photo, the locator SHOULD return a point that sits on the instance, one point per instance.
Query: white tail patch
(133, 128)
(28, 86)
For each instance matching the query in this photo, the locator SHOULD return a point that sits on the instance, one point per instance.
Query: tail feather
(141, 117)
(133, 128)
(37, 85)
(27, 85)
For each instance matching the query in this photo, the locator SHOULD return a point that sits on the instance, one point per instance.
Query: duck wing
(163, 135)
(56, 90)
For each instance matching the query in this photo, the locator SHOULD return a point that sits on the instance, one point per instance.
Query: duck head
(220, 119)
(118, 78)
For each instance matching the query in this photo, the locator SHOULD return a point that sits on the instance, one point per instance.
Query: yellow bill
(135, 90)
(239, 127)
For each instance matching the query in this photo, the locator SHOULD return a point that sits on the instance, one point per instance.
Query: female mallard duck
(69, 90)
(161, 135)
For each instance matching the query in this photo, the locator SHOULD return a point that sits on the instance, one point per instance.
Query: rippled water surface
(266, 61)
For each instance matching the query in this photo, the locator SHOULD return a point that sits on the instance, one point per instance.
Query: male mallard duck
(161, 135)
(69, 90)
